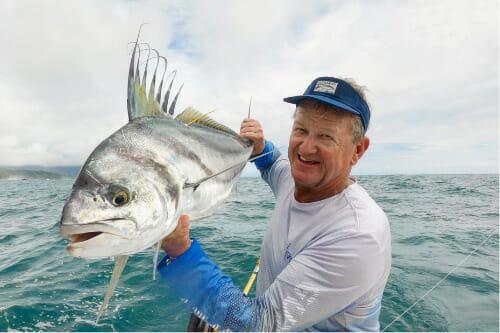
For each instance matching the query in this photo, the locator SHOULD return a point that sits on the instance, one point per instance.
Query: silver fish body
(131, 190)
(136, 183)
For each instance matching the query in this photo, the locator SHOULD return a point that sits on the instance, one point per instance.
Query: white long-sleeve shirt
(324, 264)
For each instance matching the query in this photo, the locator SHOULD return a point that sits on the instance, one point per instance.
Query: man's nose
(308, 146)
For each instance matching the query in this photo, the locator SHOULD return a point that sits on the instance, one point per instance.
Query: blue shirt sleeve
(212, 295)
(302, 295)
(266, 161)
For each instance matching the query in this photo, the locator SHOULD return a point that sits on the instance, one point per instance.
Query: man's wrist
(193, 251)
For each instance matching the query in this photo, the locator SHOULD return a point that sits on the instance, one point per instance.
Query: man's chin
(303, 180)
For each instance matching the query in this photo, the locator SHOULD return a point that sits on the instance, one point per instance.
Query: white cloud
(431, 69)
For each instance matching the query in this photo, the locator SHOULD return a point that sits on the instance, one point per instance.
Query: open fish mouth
(82, 232)
(78, 238)
(106, 238)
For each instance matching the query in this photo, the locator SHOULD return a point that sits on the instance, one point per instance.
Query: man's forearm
(212, 295)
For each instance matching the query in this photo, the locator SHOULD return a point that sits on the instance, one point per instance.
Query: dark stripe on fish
(177, 146)
(172, 188)
(181, 149)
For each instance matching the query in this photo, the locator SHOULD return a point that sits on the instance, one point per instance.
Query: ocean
(436, 222)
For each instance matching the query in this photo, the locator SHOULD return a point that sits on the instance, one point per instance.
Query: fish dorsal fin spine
(192, 116)
(145, 99)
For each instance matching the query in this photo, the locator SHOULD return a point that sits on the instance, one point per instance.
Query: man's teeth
(305, 160)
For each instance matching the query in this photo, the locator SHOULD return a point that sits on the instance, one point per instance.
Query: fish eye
(119, 198)
(118, 195)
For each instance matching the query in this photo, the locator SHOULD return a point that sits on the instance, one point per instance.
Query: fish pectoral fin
(120, 262)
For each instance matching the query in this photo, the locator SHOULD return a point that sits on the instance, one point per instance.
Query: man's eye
(327, 137)
(299, 130)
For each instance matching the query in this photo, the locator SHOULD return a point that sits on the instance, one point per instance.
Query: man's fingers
(250, 123)
(251, 129)
(253, 136)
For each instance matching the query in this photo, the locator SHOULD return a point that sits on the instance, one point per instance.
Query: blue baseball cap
(337, 93)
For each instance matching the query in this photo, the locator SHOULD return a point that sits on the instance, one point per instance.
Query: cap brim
(322, 99)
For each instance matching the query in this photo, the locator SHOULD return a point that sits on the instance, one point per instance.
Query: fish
(132, 189)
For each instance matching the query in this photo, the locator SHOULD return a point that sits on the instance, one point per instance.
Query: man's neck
(307, 195)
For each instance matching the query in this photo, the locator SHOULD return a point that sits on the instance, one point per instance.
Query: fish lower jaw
(96, 245)
(97, 240)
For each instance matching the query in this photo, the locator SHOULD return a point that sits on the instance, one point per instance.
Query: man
(326, 255)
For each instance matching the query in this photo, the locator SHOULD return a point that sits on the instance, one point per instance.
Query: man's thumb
(184, 224)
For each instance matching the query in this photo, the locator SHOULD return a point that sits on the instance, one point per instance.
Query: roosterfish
(134, 186)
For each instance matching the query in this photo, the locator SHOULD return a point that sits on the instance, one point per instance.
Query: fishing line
(439, 282)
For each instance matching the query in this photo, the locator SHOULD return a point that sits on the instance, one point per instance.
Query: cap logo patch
(328, 87)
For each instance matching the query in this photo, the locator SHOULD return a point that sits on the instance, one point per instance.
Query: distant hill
(38, 172)
(28, 174)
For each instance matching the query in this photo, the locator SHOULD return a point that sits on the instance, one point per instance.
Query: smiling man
(326, 255)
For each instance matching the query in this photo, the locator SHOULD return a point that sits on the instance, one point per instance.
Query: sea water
(436, 222)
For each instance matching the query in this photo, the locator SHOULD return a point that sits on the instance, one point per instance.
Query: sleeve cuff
(267, 160)
(193, 252)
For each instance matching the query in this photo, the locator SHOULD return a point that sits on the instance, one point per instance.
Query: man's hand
(252, 130)
(178, 241)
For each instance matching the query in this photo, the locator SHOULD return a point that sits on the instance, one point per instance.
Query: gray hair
(357, 125)
(361, 90)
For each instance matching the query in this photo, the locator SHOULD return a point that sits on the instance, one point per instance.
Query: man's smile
(306, 161)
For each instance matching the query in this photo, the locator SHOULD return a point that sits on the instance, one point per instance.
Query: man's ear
(360, 148)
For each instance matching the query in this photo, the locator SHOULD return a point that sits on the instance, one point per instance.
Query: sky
(430, 69)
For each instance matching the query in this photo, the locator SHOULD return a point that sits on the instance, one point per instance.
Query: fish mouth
(82, 232)
(78, 238)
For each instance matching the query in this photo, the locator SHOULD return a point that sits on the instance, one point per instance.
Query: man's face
(321, 149)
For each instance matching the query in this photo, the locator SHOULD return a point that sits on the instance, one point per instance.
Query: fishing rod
(252, 278)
